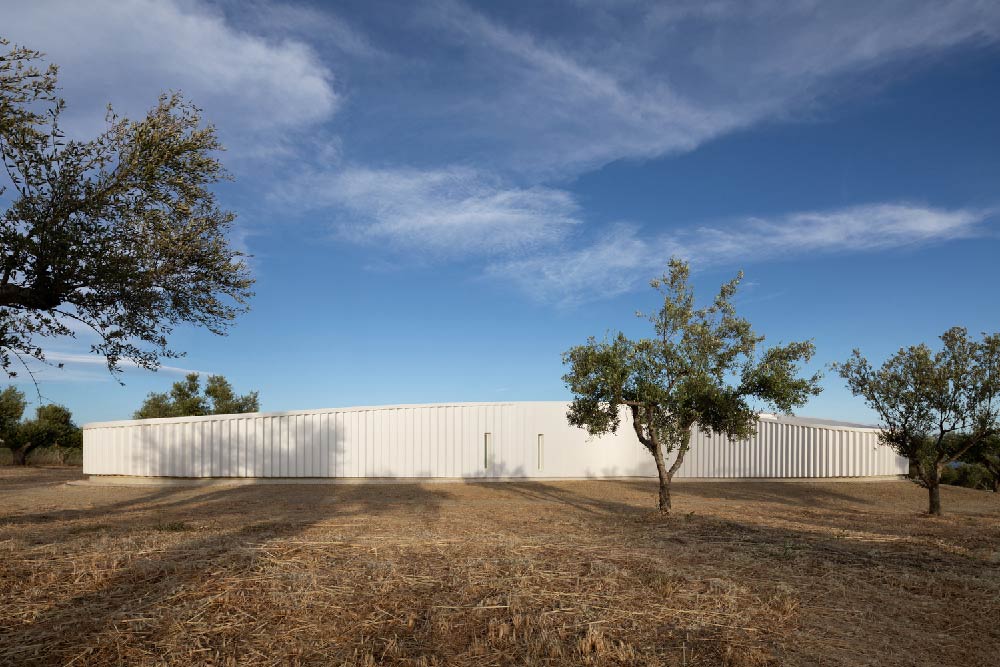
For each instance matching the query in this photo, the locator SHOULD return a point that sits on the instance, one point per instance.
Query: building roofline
(784, 419)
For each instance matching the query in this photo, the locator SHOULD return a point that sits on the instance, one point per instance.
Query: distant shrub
(55, 456)
(44, 456)
(969, 475)
(950, 475)
(6, 457)
(52, 427)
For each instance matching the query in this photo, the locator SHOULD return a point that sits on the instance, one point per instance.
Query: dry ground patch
(540, 573)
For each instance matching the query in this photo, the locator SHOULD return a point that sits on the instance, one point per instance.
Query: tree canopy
(120, 234)
(186, 399)
(52, 426)
(924, 398)
(704, 367)
(12, 405)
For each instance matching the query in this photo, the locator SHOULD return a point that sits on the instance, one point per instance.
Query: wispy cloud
(527, 108)
(857, 228)
(127, 52)
(609, 266)
(439, 213)
(326, 30)
(640, 80)
(487, 122)
(557, 113)
(69, 359)
(620, 260)
(81, 367)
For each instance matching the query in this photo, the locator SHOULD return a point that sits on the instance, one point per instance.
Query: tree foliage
(186, 399)
(704, 367)
(986, 453)
(119, 234)
(52, 426)
(925, 399)
(12, 405)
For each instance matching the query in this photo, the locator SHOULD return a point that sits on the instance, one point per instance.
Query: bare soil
(541, 573)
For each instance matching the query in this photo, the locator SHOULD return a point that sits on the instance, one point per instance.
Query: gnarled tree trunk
(933, 482)
(651, 442)
(994, 470)
(20, 455)
(935, 500)
(664, 477)
(928, 475)
(666, 474)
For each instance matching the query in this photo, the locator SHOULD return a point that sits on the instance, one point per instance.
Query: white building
(463, 441)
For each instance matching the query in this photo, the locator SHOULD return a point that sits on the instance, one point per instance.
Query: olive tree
(925, 398)
(12, 406)
(704, 368)
(120, 234)
(186, 399)
(53, 426)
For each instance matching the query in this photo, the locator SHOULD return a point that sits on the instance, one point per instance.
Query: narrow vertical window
(541, 450)
(487, 447)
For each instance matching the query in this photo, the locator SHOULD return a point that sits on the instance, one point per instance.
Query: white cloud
(129, 51)
(80, 367)
(444, 213)
(324, 28)
(557, 115)
(622, 259)
(857, 228)
(70, 359)
(639, 80)
(610, 266)
(517, 103)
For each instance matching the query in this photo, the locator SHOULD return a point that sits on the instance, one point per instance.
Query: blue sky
(442, 197)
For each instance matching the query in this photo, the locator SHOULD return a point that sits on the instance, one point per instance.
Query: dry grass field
(545, 573)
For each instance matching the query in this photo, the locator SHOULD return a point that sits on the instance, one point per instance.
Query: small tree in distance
(53, 426)
(12, 406)
(925, 399)
(703, 368)
(186, 400)
(225, 401)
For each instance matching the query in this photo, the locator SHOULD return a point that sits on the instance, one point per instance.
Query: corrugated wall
(460, 441)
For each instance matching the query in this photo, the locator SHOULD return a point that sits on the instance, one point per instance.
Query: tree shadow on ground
(154, 573)
(542, 491)
(847, 509)
(169, 503)
(183, 539)
(24, 477)
(785, 493)
(158, 499)
(785, 546)
(828, 541)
